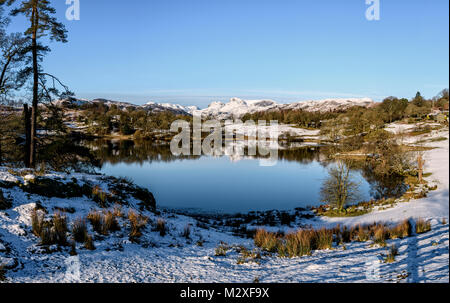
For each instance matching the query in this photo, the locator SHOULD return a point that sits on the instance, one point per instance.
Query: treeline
(103, 120)
(298, 117)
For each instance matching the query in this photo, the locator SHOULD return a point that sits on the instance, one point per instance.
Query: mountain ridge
(235, 108)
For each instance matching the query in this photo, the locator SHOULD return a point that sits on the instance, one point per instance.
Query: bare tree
(340, 188)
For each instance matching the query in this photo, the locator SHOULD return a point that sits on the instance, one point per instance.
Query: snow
(422, 258)
(237, 108)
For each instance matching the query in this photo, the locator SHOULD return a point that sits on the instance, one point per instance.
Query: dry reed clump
(50, 232)
(221, 250)
(161, 227)
(137, 222)
(60, 228)
(380, 234)
(89, 243)
(37, 222)
(79, 230)
(266, 241)
(402, 230)
(103, 223)
(186, 232)
(323, 239)
(422, 226)
(363, 234)
(393, 252)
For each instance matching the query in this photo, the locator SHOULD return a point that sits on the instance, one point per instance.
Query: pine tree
(42, 23)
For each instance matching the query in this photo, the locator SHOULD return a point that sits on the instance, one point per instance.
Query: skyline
(203, 51)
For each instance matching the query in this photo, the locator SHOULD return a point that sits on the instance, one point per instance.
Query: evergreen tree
(42, 24)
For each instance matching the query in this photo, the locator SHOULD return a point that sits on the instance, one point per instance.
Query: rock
(8, 263)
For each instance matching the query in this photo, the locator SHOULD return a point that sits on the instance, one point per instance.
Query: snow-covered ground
(422, 258)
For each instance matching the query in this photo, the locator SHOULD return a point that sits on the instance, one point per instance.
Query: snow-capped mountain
(235, 108)
(150, 106)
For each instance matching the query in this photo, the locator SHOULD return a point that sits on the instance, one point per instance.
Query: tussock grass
(304, 242)
(186, 232)
(422, 226)
(50, 232)
(137, 222)
(266, 241)
(89, 243)
(103, 223)
(221, 250)
(161, 227)
(380, 234)
(79, 230)
(96, 220)
(393, 252)
(323, 239)
(99, 196)
(37, 222)
(363, 234)
(60, 228)
(110, 222)
(402, 230)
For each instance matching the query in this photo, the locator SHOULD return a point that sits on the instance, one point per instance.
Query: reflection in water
(227, 183)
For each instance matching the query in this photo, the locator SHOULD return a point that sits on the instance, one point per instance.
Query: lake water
(219, 184)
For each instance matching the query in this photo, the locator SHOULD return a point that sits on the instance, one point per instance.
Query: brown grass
(422, 226)
(161, 227)
(89, 243)
(266, 241)
(79, 230)
(37, 222)
(137, 222)
(402, 230)
(380, 234)
(60, 228)
(393, 252)
(186, 232)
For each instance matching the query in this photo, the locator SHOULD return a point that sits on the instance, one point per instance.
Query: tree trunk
(27, 122)
(35, 90)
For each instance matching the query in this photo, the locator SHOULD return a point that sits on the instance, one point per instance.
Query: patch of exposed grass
(221, 250)
(393, 252)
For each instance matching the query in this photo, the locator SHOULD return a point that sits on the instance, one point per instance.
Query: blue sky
(198, 51)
